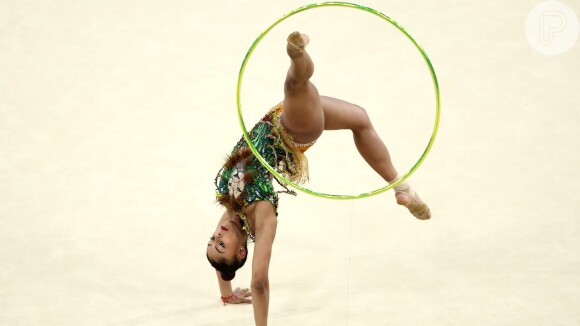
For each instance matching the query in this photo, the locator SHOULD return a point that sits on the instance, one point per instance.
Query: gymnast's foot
(296, 44)
(407, 197)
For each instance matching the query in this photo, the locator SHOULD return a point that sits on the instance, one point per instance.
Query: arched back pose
(245, 187)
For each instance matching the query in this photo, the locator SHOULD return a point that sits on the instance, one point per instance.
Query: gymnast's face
(226, 242)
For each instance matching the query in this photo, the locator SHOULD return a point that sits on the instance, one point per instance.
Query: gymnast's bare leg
(306, 114)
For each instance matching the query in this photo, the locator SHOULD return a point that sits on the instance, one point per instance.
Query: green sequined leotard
(243, 180)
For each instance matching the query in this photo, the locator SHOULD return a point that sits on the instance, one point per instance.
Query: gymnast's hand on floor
(239, 296)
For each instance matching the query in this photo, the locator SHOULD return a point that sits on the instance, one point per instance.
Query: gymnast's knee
(363, 120)
(293, 85)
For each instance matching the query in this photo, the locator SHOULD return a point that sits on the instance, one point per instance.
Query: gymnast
(245, 187)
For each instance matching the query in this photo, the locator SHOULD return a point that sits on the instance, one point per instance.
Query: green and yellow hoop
(304, 189)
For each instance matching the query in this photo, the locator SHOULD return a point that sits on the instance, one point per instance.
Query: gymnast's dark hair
(228, 269)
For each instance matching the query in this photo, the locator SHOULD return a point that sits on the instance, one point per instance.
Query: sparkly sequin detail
(243, 180)
(302, 147)
(246, 226)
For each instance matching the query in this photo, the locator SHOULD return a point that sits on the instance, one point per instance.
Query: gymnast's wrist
(226, 298)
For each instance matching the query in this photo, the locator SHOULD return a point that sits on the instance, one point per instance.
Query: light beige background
(115, 117)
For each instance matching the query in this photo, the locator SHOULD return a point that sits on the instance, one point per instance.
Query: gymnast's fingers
(242, 293)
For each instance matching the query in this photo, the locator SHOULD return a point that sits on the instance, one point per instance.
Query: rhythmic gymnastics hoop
(304, 189)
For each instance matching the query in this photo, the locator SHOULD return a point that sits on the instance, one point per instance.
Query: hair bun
(228, 276)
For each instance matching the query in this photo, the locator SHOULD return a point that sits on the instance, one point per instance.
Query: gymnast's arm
(237, 296)
(266, 223)
(225, 286)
